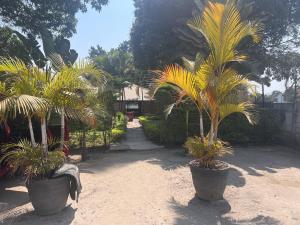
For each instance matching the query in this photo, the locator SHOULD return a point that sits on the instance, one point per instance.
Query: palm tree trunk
(31, 132)
(187, 123)
(44, 136)
(62, 128)
(211, 134)
(201, 125)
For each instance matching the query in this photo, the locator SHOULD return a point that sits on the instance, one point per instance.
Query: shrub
(117, 134)
(120, 121)
(32, 159)
(205, 153)
(235, 129)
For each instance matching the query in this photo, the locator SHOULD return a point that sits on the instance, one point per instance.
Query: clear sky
(108, 28)
(112, 26)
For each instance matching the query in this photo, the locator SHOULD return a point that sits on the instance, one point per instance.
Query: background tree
(286, 68)
(160, 36)
(59, 17)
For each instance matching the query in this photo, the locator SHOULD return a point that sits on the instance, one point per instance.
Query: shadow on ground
(199, 212)
(63, 218)
(10, 198)
(267, 159)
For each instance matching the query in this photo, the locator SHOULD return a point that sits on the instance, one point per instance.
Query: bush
(117, 134)
(32, 160)
(120, 121)
(120, 127)
(235, 129)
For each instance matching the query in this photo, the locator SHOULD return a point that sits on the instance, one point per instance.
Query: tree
(20, 91)
(154, 42)
(25, 47)
(33, 92)
(96, 51)
(160, 36)
(286, 68)
(216, 80)
(57, 16)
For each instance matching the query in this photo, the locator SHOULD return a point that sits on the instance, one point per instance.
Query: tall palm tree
(68, 86)
(20, 91)
(215, 83)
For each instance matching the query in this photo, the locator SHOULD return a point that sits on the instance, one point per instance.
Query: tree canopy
(157, 40)
(56, 15)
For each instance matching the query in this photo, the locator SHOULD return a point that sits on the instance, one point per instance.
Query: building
(136, 99)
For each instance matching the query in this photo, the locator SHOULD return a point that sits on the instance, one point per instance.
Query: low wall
(291, 123)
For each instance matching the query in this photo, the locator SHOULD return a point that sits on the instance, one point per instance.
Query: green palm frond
(23, 104)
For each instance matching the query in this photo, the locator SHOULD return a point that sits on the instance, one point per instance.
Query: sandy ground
(155, 187)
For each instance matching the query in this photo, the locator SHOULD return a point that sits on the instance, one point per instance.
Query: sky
(111, 27)
(108, 28)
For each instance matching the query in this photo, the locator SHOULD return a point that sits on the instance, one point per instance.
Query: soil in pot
(49, 196)
(209, 183)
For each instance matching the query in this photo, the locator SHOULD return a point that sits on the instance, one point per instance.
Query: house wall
(146, 107)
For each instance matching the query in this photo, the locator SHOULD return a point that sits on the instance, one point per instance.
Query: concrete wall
(289, 122)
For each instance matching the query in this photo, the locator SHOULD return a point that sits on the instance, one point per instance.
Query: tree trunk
(83, 147)
(31, 132)
(201, 125)
(44, 136)
(187, 123)
(104, 133)
(213, 134)
(263, 95)
(294, 113)
(62, 129)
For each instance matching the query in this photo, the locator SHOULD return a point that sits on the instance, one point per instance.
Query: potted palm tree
(48, 195)
(214, 86)
(31, 92)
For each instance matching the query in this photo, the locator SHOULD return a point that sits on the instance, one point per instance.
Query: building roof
(136, 93)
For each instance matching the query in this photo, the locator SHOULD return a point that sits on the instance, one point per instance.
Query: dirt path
(155, 187)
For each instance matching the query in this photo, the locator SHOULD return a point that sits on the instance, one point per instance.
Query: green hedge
(234, 129)
(117, 134)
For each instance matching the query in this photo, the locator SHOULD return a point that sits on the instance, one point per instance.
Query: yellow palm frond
(228, 82)
(244, 108)
(223, 30)
(13, 66)
(182, 79)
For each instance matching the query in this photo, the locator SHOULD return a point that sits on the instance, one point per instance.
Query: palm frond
(182, 79)
(243, 108)
(223, 29)
(23, 104)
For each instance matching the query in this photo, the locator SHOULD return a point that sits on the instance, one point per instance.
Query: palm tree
(66, 91)
(30, 91)
(215, 82)
(20, 91)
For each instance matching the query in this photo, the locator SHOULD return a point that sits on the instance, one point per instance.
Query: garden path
(135, 139)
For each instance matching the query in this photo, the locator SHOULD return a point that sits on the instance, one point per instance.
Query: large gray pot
(209, 184)
(49, 196)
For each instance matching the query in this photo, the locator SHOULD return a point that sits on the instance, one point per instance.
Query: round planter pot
(209, 184)
(49, 196)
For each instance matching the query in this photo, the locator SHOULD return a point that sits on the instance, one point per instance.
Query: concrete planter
(209, 184)
(49, 196)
